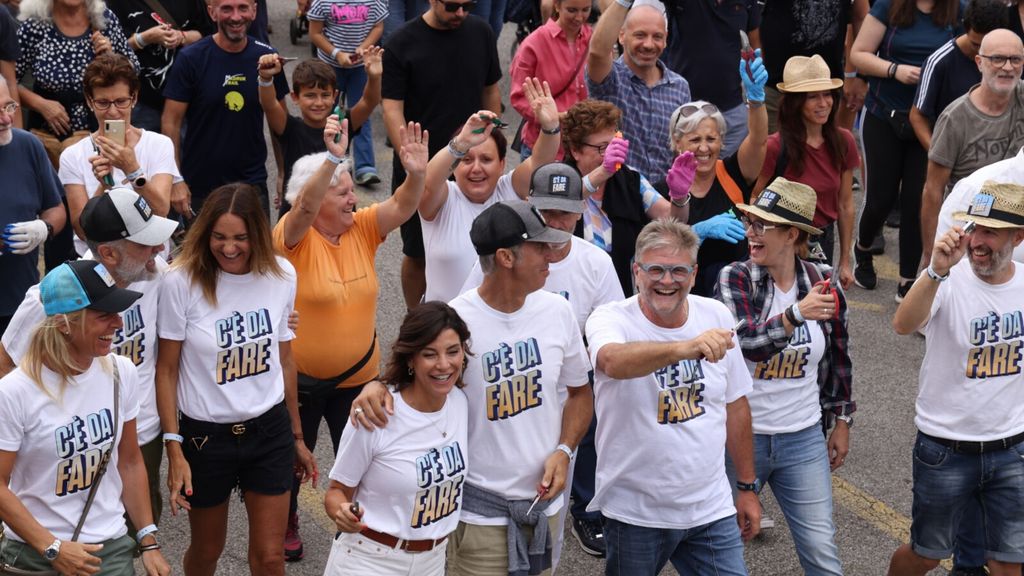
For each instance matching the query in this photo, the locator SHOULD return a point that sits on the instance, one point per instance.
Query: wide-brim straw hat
(807, 74)
(785, 202)
(996, 205)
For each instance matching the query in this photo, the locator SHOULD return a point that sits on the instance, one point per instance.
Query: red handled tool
(746, 52)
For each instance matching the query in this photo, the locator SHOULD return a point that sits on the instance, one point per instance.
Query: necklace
(443, 431)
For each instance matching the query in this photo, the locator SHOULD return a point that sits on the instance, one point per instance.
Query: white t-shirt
(971, 386)
(136, 341)
(785, 394)
(959, 199)
(586, 278)
(450, 252)
(154, 151)
(230, 368)
(59, 446)
(516, 381)
(661, 437)
(409, 476)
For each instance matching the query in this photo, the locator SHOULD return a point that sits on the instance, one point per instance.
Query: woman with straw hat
(892, 45)
(811, 148)
(794, 338)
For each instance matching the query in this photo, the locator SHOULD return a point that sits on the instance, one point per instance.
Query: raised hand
(538, 94)
(615, 154)
(373, 60)
(269, 66)
(949, 249)
(680, 176)
(330, 130)
(477, 129)
(415, 153)
(753, 83)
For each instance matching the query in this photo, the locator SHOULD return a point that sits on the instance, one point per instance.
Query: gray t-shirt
(965, 139)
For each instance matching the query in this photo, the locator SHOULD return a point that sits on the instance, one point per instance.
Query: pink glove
(680, 176)
(615, 155)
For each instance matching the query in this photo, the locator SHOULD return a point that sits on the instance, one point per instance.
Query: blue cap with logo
(73, 286)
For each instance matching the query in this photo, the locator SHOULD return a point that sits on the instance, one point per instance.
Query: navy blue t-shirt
(30, 186)
(224, 138)
(947, 75)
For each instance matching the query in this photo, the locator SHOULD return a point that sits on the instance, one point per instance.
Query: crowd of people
(631, 333)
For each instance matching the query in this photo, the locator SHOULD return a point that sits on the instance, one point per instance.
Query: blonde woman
(69, 412)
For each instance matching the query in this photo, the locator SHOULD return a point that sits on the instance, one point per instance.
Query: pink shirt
(547, 55)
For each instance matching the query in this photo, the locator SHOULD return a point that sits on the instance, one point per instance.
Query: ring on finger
(358, 410)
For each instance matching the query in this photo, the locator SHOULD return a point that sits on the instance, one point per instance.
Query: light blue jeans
(712, 549)
(795, 465)
(352, 81)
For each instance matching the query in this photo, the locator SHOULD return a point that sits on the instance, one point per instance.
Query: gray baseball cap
(557, 186)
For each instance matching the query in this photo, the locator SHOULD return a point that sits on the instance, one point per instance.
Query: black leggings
(895, 168)
(334, 408)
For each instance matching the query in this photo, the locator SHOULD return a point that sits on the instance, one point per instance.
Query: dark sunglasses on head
(454, 7)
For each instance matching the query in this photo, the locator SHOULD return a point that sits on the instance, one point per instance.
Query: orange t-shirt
(336, 299)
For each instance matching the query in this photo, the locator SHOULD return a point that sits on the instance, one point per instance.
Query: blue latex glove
(725, 227)
(753, 84)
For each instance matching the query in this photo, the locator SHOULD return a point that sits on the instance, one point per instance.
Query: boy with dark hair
(315, 92)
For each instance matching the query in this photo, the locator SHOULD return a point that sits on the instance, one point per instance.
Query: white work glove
(24, 237)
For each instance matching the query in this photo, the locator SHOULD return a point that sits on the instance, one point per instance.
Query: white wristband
(334, 53)
(172, 437)
(334, 159)
(565, 448)
(139, 41)
(935, 275)
(627, 4)
(264, 83)
(145, 531)
(796, 313)
(589, 185)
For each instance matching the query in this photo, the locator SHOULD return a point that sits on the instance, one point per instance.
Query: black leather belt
(969, 447)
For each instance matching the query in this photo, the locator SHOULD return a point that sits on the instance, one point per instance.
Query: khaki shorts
(475, 550)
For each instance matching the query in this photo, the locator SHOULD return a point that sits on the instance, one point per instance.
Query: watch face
(51, 553)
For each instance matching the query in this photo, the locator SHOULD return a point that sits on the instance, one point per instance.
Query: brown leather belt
(406, 545)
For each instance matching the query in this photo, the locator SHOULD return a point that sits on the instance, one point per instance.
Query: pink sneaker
(292, 541)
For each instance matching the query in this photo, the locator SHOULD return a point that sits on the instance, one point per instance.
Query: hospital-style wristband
(172, 437)
(146, 531)
(591, 189)
(565, 448)
(935, 275)
(334, 159)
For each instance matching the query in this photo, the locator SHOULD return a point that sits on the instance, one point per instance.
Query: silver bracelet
(455, 152)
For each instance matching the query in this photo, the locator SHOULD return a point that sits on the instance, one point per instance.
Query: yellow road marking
(870, 307)
(312, 501)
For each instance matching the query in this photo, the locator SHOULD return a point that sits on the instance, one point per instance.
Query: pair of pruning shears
(746, 52)
(497, 124)
(339, 111)
(826, 287)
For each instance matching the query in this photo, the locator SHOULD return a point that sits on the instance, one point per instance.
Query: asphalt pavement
(872, 492)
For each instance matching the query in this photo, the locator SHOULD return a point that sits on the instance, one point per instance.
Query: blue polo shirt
(646, 111)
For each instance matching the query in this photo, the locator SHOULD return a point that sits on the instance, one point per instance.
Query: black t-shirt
(704, 46)
(9, 49)
(1013, 20)
(299, 139)
(715, 254)
(947, 75)
(155, 60)
(804, 28)
(440, 74)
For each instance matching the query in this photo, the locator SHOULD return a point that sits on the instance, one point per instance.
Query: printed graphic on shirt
(79, 446)
(995, 345)
(350, 14)
(513, 379)
(789, 363)
(439, 474)
(681, 397)
(234, 100)
(245, 341)
(129, 339)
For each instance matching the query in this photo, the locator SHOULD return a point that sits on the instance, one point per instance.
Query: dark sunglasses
(454, 7)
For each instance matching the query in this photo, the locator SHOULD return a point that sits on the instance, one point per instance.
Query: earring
(411, 373)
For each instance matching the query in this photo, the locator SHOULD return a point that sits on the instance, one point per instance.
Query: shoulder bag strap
(106, 455)
(732, 190)
(157, 7)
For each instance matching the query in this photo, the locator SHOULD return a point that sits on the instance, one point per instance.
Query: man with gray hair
(670, 386)
(124, 235)
(30, 208)
(638, 82)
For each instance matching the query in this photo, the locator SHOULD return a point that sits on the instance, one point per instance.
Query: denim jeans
(400, 12)
(712, 549)
(946, 483)
(492, 12)
(352, 81)
(795, 465)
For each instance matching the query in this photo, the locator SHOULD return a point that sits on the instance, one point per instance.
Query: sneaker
(856, 184)
(893, 220)
(878, 246)
(961, 571)
(292, 541)
(901, 290)
(589, 534)
(367, 178)
(864, 274)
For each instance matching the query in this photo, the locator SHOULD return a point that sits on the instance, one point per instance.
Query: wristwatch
(52, 551)
(754, 486)
(846, 418)
(137, 179)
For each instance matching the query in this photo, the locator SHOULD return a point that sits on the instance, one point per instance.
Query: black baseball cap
(510, 223)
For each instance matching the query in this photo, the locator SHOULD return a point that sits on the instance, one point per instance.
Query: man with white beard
(970, 403)
(30, 207)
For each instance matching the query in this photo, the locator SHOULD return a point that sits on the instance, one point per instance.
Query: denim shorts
(257, 455)
(945, 482)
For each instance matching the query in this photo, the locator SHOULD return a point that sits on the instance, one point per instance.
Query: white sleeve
(355, 454)
(159, 155)
(611, 289)
(19, 332)
(740, 383)
(129, 387)
(603, 329)
(12, 429)
(282, 324)
(174, 295)
(575, 363)
(72, 166)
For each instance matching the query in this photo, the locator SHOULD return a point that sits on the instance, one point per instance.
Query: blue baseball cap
(73, 286)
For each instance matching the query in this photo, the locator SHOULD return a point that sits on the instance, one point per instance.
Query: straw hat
(996, 205)
(803, 74)
(785, 202)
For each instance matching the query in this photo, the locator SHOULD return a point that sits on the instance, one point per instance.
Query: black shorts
(257, 455)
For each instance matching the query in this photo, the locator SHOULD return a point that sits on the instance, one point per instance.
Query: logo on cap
(143, 207)
(104, 275)
(767, 200)
(559, 184)
(981, 205)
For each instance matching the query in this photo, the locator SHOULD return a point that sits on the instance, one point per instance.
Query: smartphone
(114, 129)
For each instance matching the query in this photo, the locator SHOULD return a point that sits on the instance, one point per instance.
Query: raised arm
(916, 308)
(435, 192)
(277, 116)
(754, 147)
(402, 205)
(602, 43)
(538, 94)
(307, 205)
(373, 58)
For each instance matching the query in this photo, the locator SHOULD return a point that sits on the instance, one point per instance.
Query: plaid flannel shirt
(747, 290)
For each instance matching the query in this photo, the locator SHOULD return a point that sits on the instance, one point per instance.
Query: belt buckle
(238, 429)
(403, 545)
